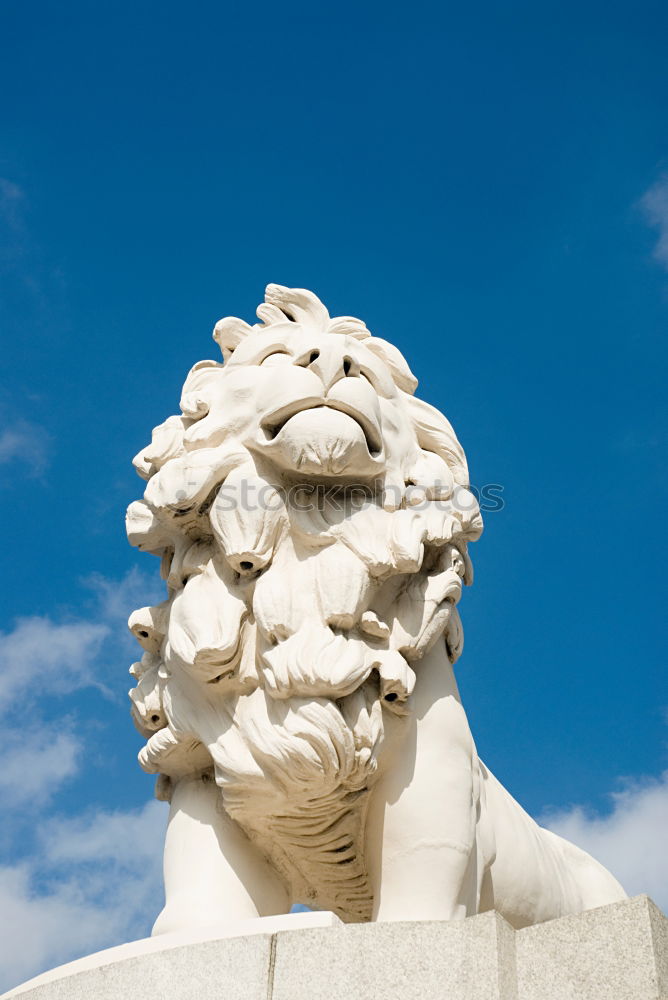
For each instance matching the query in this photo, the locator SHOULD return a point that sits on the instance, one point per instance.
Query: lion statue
(296, 689)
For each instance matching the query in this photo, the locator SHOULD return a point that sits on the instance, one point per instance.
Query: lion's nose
(330, 365)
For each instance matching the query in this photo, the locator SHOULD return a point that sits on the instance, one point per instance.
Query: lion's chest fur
(296, 775)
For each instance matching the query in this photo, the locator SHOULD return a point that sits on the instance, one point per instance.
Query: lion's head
(312, 518)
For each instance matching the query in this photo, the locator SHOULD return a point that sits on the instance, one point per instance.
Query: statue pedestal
(616, 952)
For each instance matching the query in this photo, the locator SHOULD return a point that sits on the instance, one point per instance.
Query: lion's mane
(298, 605)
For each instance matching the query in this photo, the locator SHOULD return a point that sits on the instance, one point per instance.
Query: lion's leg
(537, 875)
(213, 873)
(423, 851)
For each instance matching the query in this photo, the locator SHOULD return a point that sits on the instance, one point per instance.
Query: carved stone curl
(296, 689)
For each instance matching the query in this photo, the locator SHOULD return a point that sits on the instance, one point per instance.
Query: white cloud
(118, 836)
(90, 880)
(70, 885)
(39, 930)
(654, 205)
(631, 841)
(117, 598)
(41, 659)
(22, 441)
(40, 656)
(34, 762)
(97, 882)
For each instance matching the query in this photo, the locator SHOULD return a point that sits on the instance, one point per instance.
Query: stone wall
(617, 952)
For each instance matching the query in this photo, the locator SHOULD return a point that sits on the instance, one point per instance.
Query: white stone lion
(297, 689)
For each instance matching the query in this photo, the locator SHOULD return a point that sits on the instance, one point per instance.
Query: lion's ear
(270, 315)
(392, 357)
(228, 334)
(197, 387)
(435, 433)
(298, 305)
(166, 443)
(349, 326)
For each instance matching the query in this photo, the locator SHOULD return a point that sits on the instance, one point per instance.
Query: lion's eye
(277, 358)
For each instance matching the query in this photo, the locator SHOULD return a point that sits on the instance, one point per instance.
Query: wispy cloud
(33, 284)
(24, 442)
(11, 197)
(42, 660)
(27, 300)
(12, 225)
(41, 657)
(630, 841)
(96, 882)
(117, 598)
(654, 205)
(77, 884)
(35, 761)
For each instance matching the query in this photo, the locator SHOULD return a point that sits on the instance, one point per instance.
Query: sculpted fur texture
(312, 517)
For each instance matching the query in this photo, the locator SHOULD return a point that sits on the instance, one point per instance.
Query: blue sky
(487, 186)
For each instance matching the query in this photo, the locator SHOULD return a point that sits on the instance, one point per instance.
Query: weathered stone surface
(617, 952)
(659, 926)
(175, 945)
(470, 959)
(233, 968)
